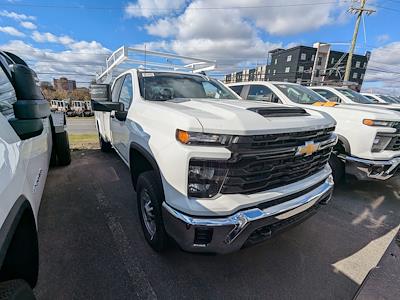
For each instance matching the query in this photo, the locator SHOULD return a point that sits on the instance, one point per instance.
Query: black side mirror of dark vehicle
(107, 106)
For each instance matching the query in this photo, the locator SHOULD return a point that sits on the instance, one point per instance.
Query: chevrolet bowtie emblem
(308, 148)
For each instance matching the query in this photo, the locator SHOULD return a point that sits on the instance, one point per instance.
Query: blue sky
(63, 37)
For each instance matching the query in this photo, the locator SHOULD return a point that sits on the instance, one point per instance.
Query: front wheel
(149, 201)
(104, 146)
(62, 149)
(16, 290)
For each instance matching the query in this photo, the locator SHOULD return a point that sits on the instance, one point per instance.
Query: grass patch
(83, 141)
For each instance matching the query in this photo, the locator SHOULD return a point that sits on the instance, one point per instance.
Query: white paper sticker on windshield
(148, 74)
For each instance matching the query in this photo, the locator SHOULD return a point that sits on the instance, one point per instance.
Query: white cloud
(149, 8)
(384, 69)
(383, 38)
(15, 16)
(80, 57)
(11, 31)
(47, 37)
(28, 25)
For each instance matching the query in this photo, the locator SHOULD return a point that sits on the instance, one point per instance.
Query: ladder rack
(127, 58)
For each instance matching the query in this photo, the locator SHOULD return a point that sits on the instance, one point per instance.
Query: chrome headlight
(205, 177)
(380, 123)
(200, 138)
(380, 143)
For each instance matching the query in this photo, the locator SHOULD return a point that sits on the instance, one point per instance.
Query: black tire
(149, 183)
(104, 146)
(63, 152)
(53, 158)
(338, 168)
(16, 290)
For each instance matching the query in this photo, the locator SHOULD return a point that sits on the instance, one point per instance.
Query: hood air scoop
(271, 112)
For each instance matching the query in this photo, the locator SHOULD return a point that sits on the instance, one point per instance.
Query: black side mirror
(121, 115)
(107, 106)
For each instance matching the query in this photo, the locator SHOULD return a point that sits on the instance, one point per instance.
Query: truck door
(119, 128)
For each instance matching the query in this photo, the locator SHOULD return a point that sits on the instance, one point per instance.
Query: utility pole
(359, 12)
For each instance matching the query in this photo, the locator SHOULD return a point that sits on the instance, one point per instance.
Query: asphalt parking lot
(91, 244)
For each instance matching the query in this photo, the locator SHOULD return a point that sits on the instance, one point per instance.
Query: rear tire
(16, 290)
(149, 202)
(63, 152)
(104, 146)
(338, 168)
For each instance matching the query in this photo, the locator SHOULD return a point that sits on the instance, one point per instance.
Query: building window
(312, 57)
(269, 71)
(319, 60)
(274, 72)
(276, 60)
(358, 64)
(355, 75)
(287, 69)
(317, 73)
(301, 69)
(332, 60)
(303, 56)
(289, 58)
(362, 76)
(365, 64)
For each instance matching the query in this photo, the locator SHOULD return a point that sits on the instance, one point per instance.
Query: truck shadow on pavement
(91, 244)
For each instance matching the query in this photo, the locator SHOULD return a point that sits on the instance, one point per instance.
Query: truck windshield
(387, 99)
(354, 96)
(300, 94)
(162, 86)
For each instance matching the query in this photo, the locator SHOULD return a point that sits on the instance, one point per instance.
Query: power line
(387, 8)
(167, 9)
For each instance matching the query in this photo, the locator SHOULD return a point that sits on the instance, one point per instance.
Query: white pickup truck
(368, 137)
(210, 170)
(383, 99)
(345, 95)
(30, 139)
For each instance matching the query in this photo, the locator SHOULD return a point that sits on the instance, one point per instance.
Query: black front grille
(260, 163)
(394, 144)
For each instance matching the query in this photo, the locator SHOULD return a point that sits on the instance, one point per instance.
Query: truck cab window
(126, 94)
(7, 94)
(237, 89)
(261, 93)
(328, 95)
(116, 89)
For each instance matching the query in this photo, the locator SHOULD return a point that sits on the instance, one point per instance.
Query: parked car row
(74, 108)
(215, 167)
(368, 139)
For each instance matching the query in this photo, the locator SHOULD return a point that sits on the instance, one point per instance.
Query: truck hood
(240, 117)
(368, 111)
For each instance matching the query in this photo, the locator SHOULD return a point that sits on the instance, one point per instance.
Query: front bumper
(246, 227)
(371, 169)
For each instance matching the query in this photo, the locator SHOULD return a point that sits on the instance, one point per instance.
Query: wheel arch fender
(345, 142)
(10, 224)
(147, 163)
